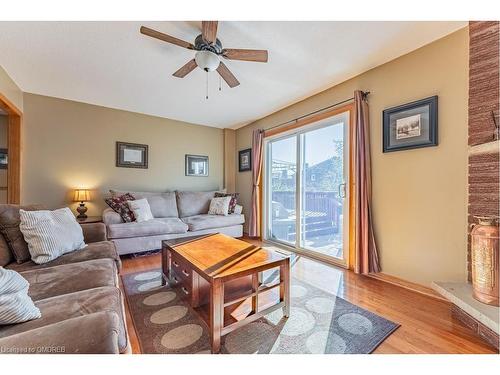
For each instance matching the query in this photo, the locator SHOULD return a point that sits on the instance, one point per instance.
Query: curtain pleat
(367, 259)
(257, 143)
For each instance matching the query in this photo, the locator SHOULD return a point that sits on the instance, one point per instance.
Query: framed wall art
(131, 155)
(196, 165)
(412, 125)
(245, 160)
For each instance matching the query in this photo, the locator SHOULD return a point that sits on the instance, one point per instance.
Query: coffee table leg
(165, 265)
(285, 286)
(216, 314)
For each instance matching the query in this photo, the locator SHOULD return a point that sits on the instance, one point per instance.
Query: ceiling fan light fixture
(207, 60)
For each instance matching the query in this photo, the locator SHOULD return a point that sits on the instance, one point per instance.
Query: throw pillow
(50, 234)
(120, 206)
(238, 209)
(141, 210)
(219, 206)
(234, 199)
(15, 304)
(9, 227)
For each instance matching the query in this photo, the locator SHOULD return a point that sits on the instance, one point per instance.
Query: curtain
(367, 259)
(257, 142)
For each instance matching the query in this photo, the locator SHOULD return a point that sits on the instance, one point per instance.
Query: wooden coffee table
(221, 272)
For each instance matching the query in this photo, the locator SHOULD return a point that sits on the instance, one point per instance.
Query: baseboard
(414, 287)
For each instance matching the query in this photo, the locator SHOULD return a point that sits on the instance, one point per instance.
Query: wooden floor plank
(426, 323)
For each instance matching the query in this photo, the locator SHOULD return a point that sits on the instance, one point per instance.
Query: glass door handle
(342, 190)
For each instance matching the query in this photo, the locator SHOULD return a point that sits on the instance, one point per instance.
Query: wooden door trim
(309, 120)
(14, 149)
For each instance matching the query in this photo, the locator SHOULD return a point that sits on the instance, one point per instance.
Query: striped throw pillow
(15, 304)
(50, 234)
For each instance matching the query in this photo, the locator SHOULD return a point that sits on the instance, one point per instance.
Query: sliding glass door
(282, 177)
(306, 189)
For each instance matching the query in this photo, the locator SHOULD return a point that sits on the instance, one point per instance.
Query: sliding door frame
(295, 130)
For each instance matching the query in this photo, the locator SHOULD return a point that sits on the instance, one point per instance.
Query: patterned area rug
(319, 323)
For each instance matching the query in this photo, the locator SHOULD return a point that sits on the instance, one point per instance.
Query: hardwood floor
(426, 322)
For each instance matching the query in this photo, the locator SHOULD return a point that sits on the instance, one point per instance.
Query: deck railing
(320, 206)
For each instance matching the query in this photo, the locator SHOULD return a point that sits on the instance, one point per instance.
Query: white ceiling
(111, 64)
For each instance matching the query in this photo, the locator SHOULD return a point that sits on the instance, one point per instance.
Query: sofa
(176, 214)
(82, 307)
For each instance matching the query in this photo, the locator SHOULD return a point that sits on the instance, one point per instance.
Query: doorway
(10, 152)
(306, 189)
(4, 123)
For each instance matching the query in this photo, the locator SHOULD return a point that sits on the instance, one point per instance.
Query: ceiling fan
(209, 52)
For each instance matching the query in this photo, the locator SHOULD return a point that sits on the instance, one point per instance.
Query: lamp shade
(81, 195)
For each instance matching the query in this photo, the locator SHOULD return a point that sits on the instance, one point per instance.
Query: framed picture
(131, 155)
(196, 165)
(411, 125)
(3, 158)
(245, 160)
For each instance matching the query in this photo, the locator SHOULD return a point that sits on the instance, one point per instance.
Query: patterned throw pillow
(234, 199)
(219, 206)
(120, 206)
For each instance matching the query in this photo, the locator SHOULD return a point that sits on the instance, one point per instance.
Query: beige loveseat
(79, 298)
(176, 214)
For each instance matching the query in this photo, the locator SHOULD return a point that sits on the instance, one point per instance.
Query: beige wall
(10, 90)
(230, 159)
(68, 144)
(3, 144)
(419, 196)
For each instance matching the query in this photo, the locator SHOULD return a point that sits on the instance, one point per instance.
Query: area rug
(319, 322)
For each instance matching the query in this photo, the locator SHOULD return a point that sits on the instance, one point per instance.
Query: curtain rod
(365, 94)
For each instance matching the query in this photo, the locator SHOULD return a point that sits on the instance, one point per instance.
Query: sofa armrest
(95, 333)
(94, 232)
(111, 217)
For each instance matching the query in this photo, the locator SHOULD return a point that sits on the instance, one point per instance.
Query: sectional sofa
(78, 295)
(176, 214)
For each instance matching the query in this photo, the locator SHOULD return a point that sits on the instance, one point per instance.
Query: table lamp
(81, 195)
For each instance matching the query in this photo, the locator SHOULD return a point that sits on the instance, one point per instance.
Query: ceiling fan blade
(256, 55)
(185, 69)
(209, 31)
(166, 38)
(226, 74)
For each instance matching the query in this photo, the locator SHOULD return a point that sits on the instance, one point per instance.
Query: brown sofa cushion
(60, 308)
(69, 278)
(96, 250)
(5, 254)
(94, 232)
(97, 334)
(9, 227)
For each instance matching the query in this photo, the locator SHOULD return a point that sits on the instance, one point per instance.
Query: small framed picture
(245, 160)
(411, 125)
(196, 165)
(4, 161)
(131, 155)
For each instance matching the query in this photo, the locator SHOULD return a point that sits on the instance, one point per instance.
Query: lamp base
(81, 211)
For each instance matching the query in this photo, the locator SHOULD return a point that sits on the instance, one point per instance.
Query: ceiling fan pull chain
(220, 83)
(207, 87)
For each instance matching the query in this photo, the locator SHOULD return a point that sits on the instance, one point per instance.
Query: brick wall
(483, 106)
